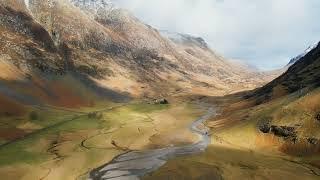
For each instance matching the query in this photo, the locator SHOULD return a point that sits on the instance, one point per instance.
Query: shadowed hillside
(304, 74)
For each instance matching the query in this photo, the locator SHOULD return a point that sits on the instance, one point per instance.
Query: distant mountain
(278, 72)
(304, 73)
(184, 39)
(295, 59)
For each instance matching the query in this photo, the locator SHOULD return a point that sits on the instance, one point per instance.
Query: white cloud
(266, 33)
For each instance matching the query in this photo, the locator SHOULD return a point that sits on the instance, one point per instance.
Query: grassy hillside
(240, 150)
(269, 133)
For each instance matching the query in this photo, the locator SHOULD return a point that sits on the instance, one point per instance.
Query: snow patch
(297, 58)
(26, 2)
(93, 6)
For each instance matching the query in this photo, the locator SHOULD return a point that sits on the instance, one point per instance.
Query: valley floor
(64, 144)
(67, 144)
(239, 150)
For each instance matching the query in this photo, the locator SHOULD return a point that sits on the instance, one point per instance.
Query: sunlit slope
(281, 117)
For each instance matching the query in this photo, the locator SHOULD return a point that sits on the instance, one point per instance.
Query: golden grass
(240, 151)
(220, 162)
(278, 91)
(72, 149)
(300, 148)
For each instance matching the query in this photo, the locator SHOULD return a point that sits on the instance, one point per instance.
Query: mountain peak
(297, 58)
(186, 39)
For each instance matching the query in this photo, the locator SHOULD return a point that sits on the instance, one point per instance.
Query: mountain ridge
(95, 44)
(297, 58)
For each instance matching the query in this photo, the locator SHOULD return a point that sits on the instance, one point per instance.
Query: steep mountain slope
(297, 58)
(113, 49)
(228, 75)
(35, 69)
(292, 61)
(303, 74)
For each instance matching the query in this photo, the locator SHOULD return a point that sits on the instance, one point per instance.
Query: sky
(263, 33)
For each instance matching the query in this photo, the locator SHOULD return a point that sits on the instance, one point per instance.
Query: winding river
(135, 164)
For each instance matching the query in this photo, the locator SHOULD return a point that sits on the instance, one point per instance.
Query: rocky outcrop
(313, 141)
(283, 131)
(280, 131)
(317, 117)
(264, 125)
(161, 101)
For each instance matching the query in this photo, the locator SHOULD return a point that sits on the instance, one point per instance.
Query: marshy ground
(64, 144)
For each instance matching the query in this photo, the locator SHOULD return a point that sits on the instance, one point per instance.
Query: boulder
(318, 116)
(264, 125)
(265, 128)
(95, 115)
(313, 141)
(161, 101)
(283, 131)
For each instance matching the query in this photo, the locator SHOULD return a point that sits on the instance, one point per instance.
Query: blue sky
(264, 33)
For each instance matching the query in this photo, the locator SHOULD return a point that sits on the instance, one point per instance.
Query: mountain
(278, 72)
(303, 74)
(228, 75)
(184, 39)
(295, 59)
(289, 107)
(276, 125)
(92, 42)
(83, 82)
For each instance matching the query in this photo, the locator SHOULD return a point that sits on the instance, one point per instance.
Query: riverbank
(71, 149)
(134, 164)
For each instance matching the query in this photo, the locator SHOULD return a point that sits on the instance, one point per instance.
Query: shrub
(264, 124)
(95, 115)
(33, 115)
(145, 54)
